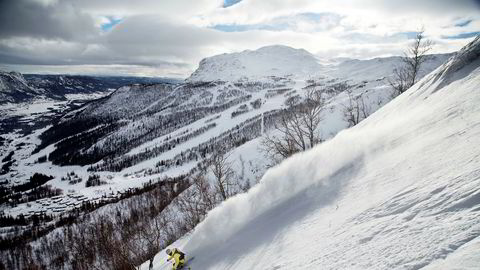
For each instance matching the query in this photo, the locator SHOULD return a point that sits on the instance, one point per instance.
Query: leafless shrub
(355, 110)
(196, 201)
(297, 127)
(225, 183)
(407, 75)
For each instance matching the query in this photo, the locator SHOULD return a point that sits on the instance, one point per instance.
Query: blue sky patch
(409, 35)
(313, 16)
(463, 35)
(229, 3)
(249, 27)
(108, 26)
(231, 27)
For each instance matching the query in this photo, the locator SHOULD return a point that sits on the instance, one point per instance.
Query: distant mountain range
(15, 87)
(284, 61)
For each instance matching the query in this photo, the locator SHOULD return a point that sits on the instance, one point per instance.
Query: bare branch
(407, 75)
(296, 128)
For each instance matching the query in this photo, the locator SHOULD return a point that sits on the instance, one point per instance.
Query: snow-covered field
(401, 190)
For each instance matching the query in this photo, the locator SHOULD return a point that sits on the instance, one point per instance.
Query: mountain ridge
(16, 87)
(282, 60)
(274, 60)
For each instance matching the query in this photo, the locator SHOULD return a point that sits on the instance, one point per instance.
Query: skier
(178, 256)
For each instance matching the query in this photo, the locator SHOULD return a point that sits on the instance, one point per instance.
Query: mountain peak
(273, 60)
(282, 48)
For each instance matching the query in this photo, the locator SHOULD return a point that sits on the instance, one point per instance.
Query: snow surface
(401, 190)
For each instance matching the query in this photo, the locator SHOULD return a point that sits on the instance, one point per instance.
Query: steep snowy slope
(401, 190)
(273, 60)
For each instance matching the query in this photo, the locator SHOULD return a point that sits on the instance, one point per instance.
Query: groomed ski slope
(401, 190)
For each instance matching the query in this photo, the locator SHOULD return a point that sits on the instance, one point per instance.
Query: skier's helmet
(168, 251)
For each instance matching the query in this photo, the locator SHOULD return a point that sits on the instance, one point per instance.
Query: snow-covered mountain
(284, 61)
(14, 88)
(60, 86)
(30, 101)
(145, 133)
(401, 190)
(276, 60)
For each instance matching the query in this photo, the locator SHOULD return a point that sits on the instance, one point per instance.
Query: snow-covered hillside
(141, 133)
(401, 190)
(18, 88)
(276, 60)
(14, 88)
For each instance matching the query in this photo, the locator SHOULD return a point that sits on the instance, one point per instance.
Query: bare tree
(407, 75)
(278, 147)
(223, 174)
(355, 110)
(196, 201)
(149, 238)
(311, 115)
(297, 127)
(111, 251)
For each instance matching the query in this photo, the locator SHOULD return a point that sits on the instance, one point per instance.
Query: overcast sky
(169, 37)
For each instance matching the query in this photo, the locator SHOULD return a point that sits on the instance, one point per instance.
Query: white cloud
(173, 36)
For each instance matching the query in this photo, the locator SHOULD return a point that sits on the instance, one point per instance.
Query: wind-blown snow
(401, 190)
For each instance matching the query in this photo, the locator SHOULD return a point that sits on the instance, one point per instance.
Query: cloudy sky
(169, 37)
